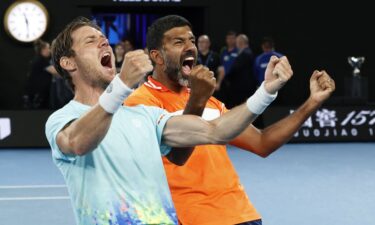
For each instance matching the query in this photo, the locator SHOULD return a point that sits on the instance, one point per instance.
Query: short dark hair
(231, 33)
(268, 42)
(62, 45)
(155, 32)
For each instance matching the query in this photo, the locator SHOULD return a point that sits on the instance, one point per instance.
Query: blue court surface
(300, 184)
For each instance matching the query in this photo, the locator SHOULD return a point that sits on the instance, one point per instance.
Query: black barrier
(330, 124)
(23, 128)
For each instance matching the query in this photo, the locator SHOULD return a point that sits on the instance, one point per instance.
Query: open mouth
(187, 65)
(106, 60)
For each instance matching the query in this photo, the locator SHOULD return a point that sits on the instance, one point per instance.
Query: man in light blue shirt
(110, 155)
(99, 186)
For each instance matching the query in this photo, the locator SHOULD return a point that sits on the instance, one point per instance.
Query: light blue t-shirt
(122, 181)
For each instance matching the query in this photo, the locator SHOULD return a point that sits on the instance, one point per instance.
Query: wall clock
(26, 20)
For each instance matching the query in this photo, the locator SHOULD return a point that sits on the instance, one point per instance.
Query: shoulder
(57, 120)
(142, 95)
(151, 113)
(67, 109)
(216, 104)
(68, 112)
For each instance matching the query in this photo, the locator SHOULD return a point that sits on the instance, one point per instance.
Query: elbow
(264, 154)
(180, 163)
(79, 147)
(218, 140)
(80, 152)
(179, 156)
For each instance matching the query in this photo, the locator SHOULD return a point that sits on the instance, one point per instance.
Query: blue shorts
(254, 222)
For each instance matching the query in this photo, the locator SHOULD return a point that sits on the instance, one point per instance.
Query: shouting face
(94, 59)
(179, 53)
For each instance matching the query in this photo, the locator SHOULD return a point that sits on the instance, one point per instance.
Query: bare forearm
(286, 128)
(179, 156)
(195, 106)
(264, 142)
(84, 134)
(188, 130)
(231, 124)
(180, 132)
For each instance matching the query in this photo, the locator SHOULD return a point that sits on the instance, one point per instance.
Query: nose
(103, 42)
(190, 46)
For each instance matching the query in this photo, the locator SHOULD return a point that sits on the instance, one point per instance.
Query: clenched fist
(202, 83)
(278, 72)
(321, 86)
(135, 66)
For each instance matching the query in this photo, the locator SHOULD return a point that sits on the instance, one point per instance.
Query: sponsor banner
(330, 124)
(23, 128)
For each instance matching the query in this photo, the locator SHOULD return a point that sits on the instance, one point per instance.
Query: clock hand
(27, 24)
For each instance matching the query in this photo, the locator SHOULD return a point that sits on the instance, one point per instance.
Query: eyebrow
(89, 37)
(93, 37)
(182, 38)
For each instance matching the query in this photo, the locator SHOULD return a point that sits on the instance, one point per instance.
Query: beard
(173, 71)
(92, 75)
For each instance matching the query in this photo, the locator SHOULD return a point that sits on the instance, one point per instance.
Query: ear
(68, 64)
(156, 57)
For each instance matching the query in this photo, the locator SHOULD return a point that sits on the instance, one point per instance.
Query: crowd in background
(237, 70)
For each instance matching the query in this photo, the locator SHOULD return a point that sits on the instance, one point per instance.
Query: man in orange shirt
(206, 190)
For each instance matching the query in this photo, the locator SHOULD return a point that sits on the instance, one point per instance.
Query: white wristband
(259, 101)
(114, 95)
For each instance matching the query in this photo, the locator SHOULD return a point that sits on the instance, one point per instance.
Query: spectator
(119, 55)
(128, 45)
(39, 77)
(229, 52)
(261, 61)
(210, 59)
(239, 80)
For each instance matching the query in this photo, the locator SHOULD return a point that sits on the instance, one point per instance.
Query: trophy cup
(358, 88)
(356, 63)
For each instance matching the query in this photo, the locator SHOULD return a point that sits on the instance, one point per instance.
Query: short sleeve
(160, 117)
(54, 125)
(160, 124)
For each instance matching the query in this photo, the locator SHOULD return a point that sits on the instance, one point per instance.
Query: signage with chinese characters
(331, 124)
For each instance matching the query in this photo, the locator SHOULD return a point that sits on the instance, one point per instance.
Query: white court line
(32, 186)
(35, 198)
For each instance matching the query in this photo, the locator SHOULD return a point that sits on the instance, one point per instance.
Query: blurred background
(302, 184)
(312, 34)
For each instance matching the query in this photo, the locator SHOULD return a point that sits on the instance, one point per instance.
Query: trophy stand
(356, 86)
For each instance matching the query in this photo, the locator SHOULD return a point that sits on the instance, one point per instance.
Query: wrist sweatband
(259, 101)
(114, 95)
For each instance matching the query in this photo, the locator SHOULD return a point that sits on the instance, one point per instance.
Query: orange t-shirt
(207, 189)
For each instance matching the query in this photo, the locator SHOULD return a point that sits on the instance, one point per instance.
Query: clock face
(26, 21)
